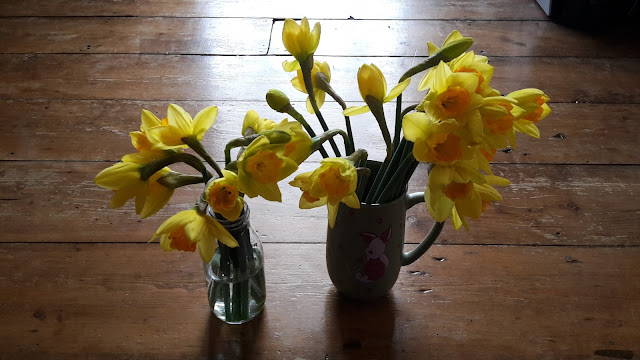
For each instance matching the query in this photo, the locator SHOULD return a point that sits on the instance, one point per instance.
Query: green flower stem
(323, 84)
(363, 176)
(196, 146)
(408, 109)
(154, 166)
(328, 135)
(398, 124)
(274, 136)
(397, 179)
(306, 68)
(391, 169)
(375, 106)
(407, 177)
(296, 115)
(174, 180)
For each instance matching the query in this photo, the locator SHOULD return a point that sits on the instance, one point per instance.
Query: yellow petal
(355, 110)
(180, 119)
(203, 121)
(332, 214)
(397, 90)
(206, 249)
(290, 66)
(414, 125)
(178, 220)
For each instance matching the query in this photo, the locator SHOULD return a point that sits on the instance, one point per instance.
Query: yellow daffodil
(434, 142)
(453, 96)
(124, 178)
(498, 114)
(451, 39)
(261, 166)
(222, 196)
(335, 181)
(299, 148)
(298, 83)
(189, 229)
(299, 40)
(534, 104)
(455, 194)
(179, 125)
(254, 124)
(371, 82)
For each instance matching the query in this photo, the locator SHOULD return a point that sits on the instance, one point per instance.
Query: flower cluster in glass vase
(455, 129)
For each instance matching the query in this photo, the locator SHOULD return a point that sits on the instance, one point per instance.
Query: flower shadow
(365, 329)
(225, 341)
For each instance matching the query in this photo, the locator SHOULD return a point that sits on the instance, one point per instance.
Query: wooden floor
(552, 272)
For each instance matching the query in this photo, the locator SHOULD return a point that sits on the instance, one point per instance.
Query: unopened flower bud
(278, 101)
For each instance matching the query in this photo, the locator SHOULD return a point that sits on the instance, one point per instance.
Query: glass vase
(235, 276)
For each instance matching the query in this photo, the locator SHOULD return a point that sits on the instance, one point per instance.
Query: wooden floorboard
(573, 134)
(216, 78)
(211, 36)
(331, 9)
(551, 272)
(545, 204)
(473, 302)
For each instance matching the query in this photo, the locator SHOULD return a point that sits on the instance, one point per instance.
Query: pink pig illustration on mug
(375, 260)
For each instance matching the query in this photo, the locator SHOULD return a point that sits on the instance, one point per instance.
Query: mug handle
(413, 255)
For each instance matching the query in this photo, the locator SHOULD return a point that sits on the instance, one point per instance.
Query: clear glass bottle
(235, 276)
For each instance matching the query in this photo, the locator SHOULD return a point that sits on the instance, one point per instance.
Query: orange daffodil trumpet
(333, 182)
(222, 195)
(190, 230)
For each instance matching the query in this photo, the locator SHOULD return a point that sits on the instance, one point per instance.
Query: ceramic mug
(365, 246)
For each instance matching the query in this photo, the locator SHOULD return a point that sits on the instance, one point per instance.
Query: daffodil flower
(299, 148)
(261, 166)
(254, 124)
(434, 142)
(124, 178)
(179, 125)
(299, 40)
(222, 196)
(298, 82)
(471, 63)
(335, 181)
(189, 229)
(453, 96)
(498, 114)
(371, 82)
(459, 193)
(534, 103)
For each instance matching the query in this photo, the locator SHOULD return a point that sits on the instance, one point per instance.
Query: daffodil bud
(277, 136)
(278, 101)
(453, 49)
(299, 40)
(371, 82)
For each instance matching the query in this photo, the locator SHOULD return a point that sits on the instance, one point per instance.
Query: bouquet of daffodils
(456, 129)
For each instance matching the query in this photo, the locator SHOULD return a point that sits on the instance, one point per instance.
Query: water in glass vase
(235, 286)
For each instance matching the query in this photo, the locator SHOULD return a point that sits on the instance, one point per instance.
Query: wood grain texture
(218, 78)
(116, 301)
(105, 35)
(375, 9)
(490, 38)
(38, 130)
(250, 36)
(546, 205)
